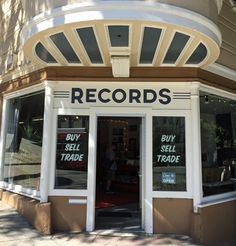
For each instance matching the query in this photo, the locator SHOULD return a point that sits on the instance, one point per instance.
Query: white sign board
(122, 94)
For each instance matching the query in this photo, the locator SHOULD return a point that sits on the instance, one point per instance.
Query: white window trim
(188, 153)
(223, 197)
(63, 192)
(19, 189)
(4, 185)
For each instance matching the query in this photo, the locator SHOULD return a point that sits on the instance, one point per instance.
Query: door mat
(114, 214)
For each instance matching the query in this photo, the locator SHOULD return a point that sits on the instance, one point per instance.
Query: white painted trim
(92, 167)
(218, 198)
(173, 194)
(142, 169)
(11, 187)
(52, 191)
(77, 201)
(188, 154)
(222, 71)
(5, 110)
(121, 10)
(216, 91)
(94, 114)
(47, 142)
(65, 192)
(148, 175)
(196, 146)
(52, 133)
(18, 189)
(25, 91)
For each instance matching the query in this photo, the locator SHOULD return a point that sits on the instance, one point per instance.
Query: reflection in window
(218, 131)
(72, 152)
(24, 141)
(169, 168)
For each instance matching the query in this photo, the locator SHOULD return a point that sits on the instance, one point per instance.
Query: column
(47, 142)
(196, 146)
(148, 203)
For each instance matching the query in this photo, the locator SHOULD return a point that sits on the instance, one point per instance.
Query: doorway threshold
(118, 232)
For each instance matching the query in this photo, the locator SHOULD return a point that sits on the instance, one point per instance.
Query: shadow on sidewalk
(15, 231)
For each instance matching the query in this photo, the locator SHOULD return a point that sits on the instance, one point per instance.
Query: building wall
(37, 214)
(172, 215)
(14, 14)
(67, 217)
(218, 223)
(227, 25)
(212, 225)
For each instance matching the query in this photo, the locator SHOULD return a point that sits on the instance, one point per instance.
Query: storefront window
(218, 144)
(169, 168)
(72, 152)
(24, 141)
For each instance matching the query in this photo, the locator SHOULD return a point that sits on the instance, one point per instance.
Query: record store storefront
(132, 137)
(174, 151)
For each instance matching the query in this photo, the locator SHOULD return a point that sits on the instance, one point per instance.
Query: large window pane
(24, 141)
(72, 152)
(169, 168)
(218, 134)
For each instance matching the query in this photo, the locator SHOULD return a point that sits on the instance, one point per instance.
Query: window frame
(223, 197)
(65, 192)
(188, 194)
(6, 98)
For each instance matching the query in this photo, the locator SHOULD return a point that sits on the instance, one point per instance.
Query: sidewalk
(15, 231)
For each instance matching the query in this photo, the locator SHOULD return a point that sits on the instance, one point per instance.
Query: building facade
(120, 115)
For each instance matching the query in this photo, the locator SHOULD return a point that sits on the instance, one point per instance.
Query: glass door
(118, 174)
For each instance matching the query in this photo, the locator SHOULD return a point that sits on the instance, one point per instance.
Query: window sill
(20, 190)
(217, 199)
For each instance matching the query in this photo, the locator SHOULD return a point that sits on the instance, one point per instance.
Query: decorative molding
(222, 71)
(121, 10)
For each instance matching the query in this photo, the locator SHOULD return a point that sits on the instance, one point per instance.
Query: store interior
(118, 187)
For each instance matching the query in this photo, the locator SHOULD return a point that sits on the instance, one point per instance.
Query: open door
(118, 175)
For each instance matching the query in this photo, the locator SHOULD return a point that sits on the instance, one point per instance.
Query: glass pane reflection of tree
(24, 140)
(218, 135)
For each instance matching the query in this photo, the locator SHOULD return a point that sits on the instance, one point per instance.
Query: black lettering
(114, 96)
(90, 95)
(134, 95)
(76, 94)
(100, 96)
(146, 96)
(166, 99)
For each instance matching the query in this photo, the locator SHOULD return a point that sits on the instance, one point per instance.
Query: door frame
(140, 185)
(146, 192)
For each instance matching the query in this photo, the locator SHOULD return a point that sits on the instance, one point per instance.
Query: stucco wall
(172, 215)
(67, 217)
(37, 214)
(212, 226)
(14, 13)
(227, 25)
(218, 224)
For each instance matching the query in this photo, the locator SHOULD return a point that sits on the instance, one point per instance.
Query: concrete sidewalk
(15, 231)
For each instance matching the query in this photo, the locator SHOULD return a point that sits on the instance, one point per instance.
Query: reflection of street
(71, 179)
(23, 167)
